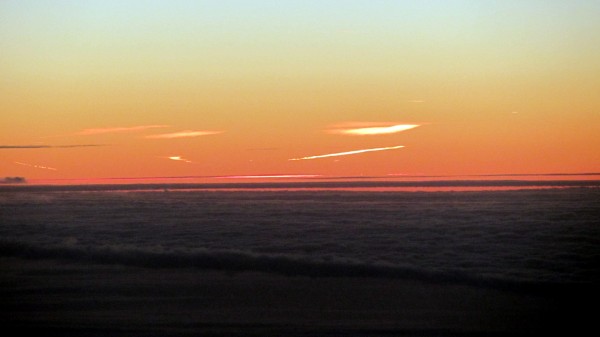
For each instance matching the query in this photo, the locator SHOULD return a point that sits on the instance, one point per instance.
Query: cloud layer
(486, 237)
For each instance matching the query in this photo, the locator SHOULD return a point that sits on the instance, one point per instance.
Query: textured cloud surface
(484, 238)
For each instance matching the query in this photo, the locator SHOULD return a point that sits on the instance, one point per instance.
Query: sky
(293, 89)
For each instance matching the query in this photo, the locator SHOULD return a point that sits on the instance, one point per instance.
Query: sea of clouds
(513, 239)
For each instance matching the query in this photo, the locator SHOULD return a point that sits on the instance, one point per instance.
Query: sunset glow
(299, 167)
(244, 88)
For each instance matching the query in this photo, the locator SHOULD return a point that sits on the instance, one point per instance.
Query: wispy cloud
(272, 176)
(98, 131)
(369, 129)
(37, 166)
(179, 158)
(347, 153)
(47, 146)
(263, 149)
(183, 134)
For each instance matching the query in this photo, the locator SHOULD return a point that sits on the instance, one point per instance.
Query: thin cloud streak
(372, 129)
(48, 146)
(183, 134)
(36, 166)
(347, 153)
(275, 176)
(98, 131)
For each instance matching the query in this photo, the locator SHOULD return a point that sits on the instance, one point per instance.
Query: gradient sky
(98, 89)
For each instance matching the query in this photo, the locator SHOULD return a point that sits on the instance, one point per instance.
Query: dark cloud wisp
(13, 180)
(48, 146)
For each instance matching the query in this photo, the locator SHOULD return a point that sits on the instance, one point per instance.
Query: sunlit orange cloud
(369, 129)
(179, 158)
(276, 176)
(97, 131)
(183, 134)
(349, 152)
(37, 166)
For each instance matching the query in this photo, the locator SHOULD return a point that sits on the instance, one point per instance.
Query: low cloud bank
(13, 180)
(238, 261)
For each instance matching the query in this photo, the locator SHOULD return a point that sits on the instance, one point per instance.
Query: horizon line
(309, 181)
(421, 185)
(324, 177)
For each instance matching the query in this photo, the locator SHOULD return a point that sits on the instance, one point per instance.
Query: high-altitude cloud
(47, 146)
(37, 166)
(347, 153)
(183, 134)
(370, 129)
(179, 158)
(98, 131)
(272, 176)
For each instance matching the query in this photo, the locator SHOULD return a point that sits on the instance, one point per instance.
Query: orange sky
(216, 88)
